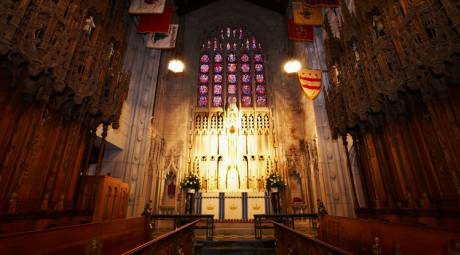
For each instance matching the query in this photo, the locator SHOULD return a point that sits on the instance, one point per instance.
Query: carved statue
(89, 26)
(377, 23)
(321, 207)
(335, 75)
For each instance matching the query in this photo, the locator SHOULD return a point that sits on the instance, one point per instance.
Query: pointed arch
(232, 67)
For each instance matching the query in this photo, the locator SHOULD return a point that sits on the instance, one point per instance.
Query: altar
(232, 205)
(232, 150)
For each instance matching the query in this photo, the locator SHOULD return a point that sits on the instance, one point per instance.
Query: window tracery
(205, 122)
(220, 121)
(214, 121)
(266, 121)
(259, 121)
(251, 121)
(244, 122)
(231, 69)
(198, 122)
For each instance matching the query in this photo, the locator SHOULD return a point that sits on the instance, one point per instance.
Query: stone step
(237, 251)
(235, 247)
(268, 243)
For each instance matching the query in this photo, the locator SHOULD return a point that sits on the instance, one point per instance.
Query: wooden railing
(291, 242)
(265, 221)
(177, 242)
(206, 221)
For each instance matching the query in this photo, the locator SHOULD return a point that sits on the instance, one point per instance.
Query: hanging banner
(311, 81)
(305, 14)
(147, 6)
(300, 32)
(163, 40)
(152, 23)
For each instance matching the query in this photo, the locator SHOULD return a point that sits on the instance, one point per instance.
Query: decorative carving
(398, 96)
(376, 248)
(89, 25)
(58, 84)
(57, 55)
(12, 203)
(384, 49)
(94, 247)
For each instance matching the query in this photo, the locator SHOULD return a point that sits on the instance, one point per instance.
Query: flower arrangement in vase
(190, 183)
(274, 182)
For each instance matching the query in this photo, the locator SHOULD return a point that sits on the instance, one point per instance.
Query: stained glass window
(231, 70)
(203, 88)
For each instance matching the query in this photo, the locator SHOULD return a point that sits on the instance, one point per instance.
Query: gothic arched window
(232, 69)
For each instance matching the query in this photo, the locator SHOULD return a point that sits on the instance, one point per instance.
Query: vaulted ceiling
(186, 6)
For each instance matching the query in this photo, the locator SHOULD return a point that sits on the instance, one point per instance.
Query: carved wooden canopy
(387, 50)
(67, 54)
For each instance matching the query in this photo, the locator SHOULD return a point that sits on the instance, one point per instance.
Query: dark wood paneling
(366, 237)
(106, 196)
(60, 78)
(413, 161)
(397, 92)
(41, 157)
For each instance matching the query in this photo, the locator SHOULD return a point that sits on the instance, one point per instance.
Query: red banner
(151, 23)
(300, 32)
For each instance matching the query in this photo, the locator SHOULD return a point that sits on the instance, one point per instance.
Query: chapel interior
(230, 127)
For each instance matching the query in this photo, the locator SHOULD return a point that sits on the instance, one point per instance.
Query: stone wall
(332, 174)
(127, 155)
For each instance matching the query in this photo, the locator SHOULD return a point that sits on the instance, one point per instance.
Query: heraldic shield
(310, 81)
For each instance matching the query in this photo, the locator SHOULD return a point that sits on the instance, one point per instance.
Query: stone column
(128, 147)
(332, 157)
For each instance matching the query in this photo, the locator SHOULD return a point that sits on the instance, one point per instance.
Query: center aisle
(236, 247)
(236, 238)
(227, 231)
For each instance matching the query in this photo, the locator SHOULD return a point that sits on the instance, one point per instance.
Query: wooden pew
(108, 237)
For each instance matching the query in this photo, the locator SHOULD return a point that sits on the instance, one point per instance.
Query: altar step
(236, 247)
(234, 232)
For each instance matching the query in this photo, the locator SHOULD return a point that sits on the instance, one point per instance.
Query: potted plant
(190, 183)
(274, 182)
